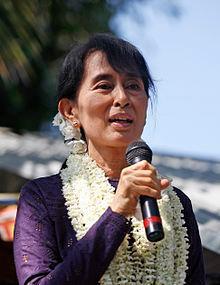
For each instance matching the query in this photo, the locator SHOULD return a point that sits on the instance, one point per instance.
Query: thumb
(164, 183)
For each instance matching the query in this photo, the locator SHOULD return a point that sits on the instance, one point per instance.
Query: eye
(134, 86)
(105, 86)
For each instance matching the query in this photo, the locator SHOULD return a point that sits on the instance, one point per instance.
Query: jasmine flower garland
(88, 194)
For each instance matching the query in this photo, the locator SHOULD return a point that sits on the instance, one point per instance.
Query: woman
(80, 226)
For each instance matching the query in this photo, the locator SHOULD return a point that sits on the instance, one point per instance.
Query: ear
(68, 109)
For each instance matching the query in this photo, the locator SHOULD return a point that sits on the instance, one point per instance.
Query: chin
(123, 141)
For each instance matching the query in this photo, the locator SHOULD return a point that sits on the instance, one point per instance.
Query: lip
(121, 125)
(124, 116)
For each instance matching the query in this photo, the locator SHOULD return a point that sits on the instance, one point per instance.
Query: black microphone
(136, 152)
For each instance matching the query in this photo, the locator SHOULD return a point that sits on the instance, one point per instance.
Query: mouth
(123, 120)
(119, 120)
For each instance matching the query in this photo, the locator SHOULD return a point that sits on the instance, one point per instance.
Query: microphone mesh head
(137, 151)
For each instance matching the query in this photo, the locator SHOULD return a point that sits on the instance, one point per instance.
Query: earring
(76, 124)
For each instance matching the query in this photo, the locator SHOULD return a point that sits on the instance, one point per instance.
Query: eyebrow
(107, 76)
(102, 76)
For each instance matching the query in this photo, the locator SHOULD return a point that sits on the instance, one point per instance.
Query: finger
(147, 181)
(147, 191)
(164, 183)
(145, 173)
(143, 164)
(140, 170)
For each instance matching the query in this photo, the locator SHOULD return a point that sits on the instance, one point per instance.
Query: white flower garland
(88, 194)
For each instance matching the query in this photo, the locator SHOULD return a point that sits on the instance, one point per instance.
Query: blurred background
(180, 41)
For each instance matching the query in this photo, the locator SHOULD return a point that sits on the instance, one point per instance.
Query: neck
(111, 160)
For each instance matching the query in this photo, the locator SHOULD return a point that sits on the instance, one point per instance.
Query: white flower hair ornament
(71, 133)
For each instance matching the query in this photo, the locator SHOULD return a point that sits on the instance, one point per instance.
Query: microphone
(136, 152)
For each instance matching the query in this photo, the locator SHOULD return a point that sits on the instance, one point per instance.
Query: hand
(135, 180)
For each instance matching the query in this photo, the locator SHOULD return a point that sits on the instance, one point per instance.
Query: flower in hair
(72, 134)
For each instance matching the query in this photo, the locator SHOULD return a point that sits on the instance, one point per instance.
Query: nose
(121, 98)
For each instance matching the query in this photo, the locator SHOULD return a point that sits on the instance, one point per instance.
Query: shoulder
(188, 212)
(44, 188)
(184, 199)
(41, 183)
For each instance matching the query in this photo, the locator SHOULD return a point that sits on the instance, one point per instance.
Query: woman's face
(110, 106)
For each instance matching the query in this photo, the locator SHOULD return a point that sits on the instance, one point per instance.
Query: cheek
(91, 114)
(142, 110)
(145, 113)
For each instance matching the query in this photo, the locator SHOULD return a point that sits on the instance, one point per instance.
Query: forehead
(97, 62)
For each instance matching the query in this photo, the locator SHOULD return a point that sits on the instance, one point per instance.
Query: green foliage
(33, 36)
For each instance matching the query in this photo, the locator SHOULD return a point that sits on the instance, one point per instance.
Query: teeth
(121, 120)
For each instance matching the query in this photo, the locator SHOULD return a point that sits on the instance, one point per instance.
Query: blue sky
(184, 58)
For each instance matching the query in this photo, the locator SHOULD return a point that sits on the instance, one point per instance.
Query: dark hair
(121, 55)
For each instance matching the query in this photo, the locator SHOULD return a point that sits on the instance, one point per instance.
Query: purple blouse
(46, 250)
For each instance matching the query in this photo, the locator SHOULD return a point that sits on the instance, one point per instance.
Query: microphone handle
(151, 219)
